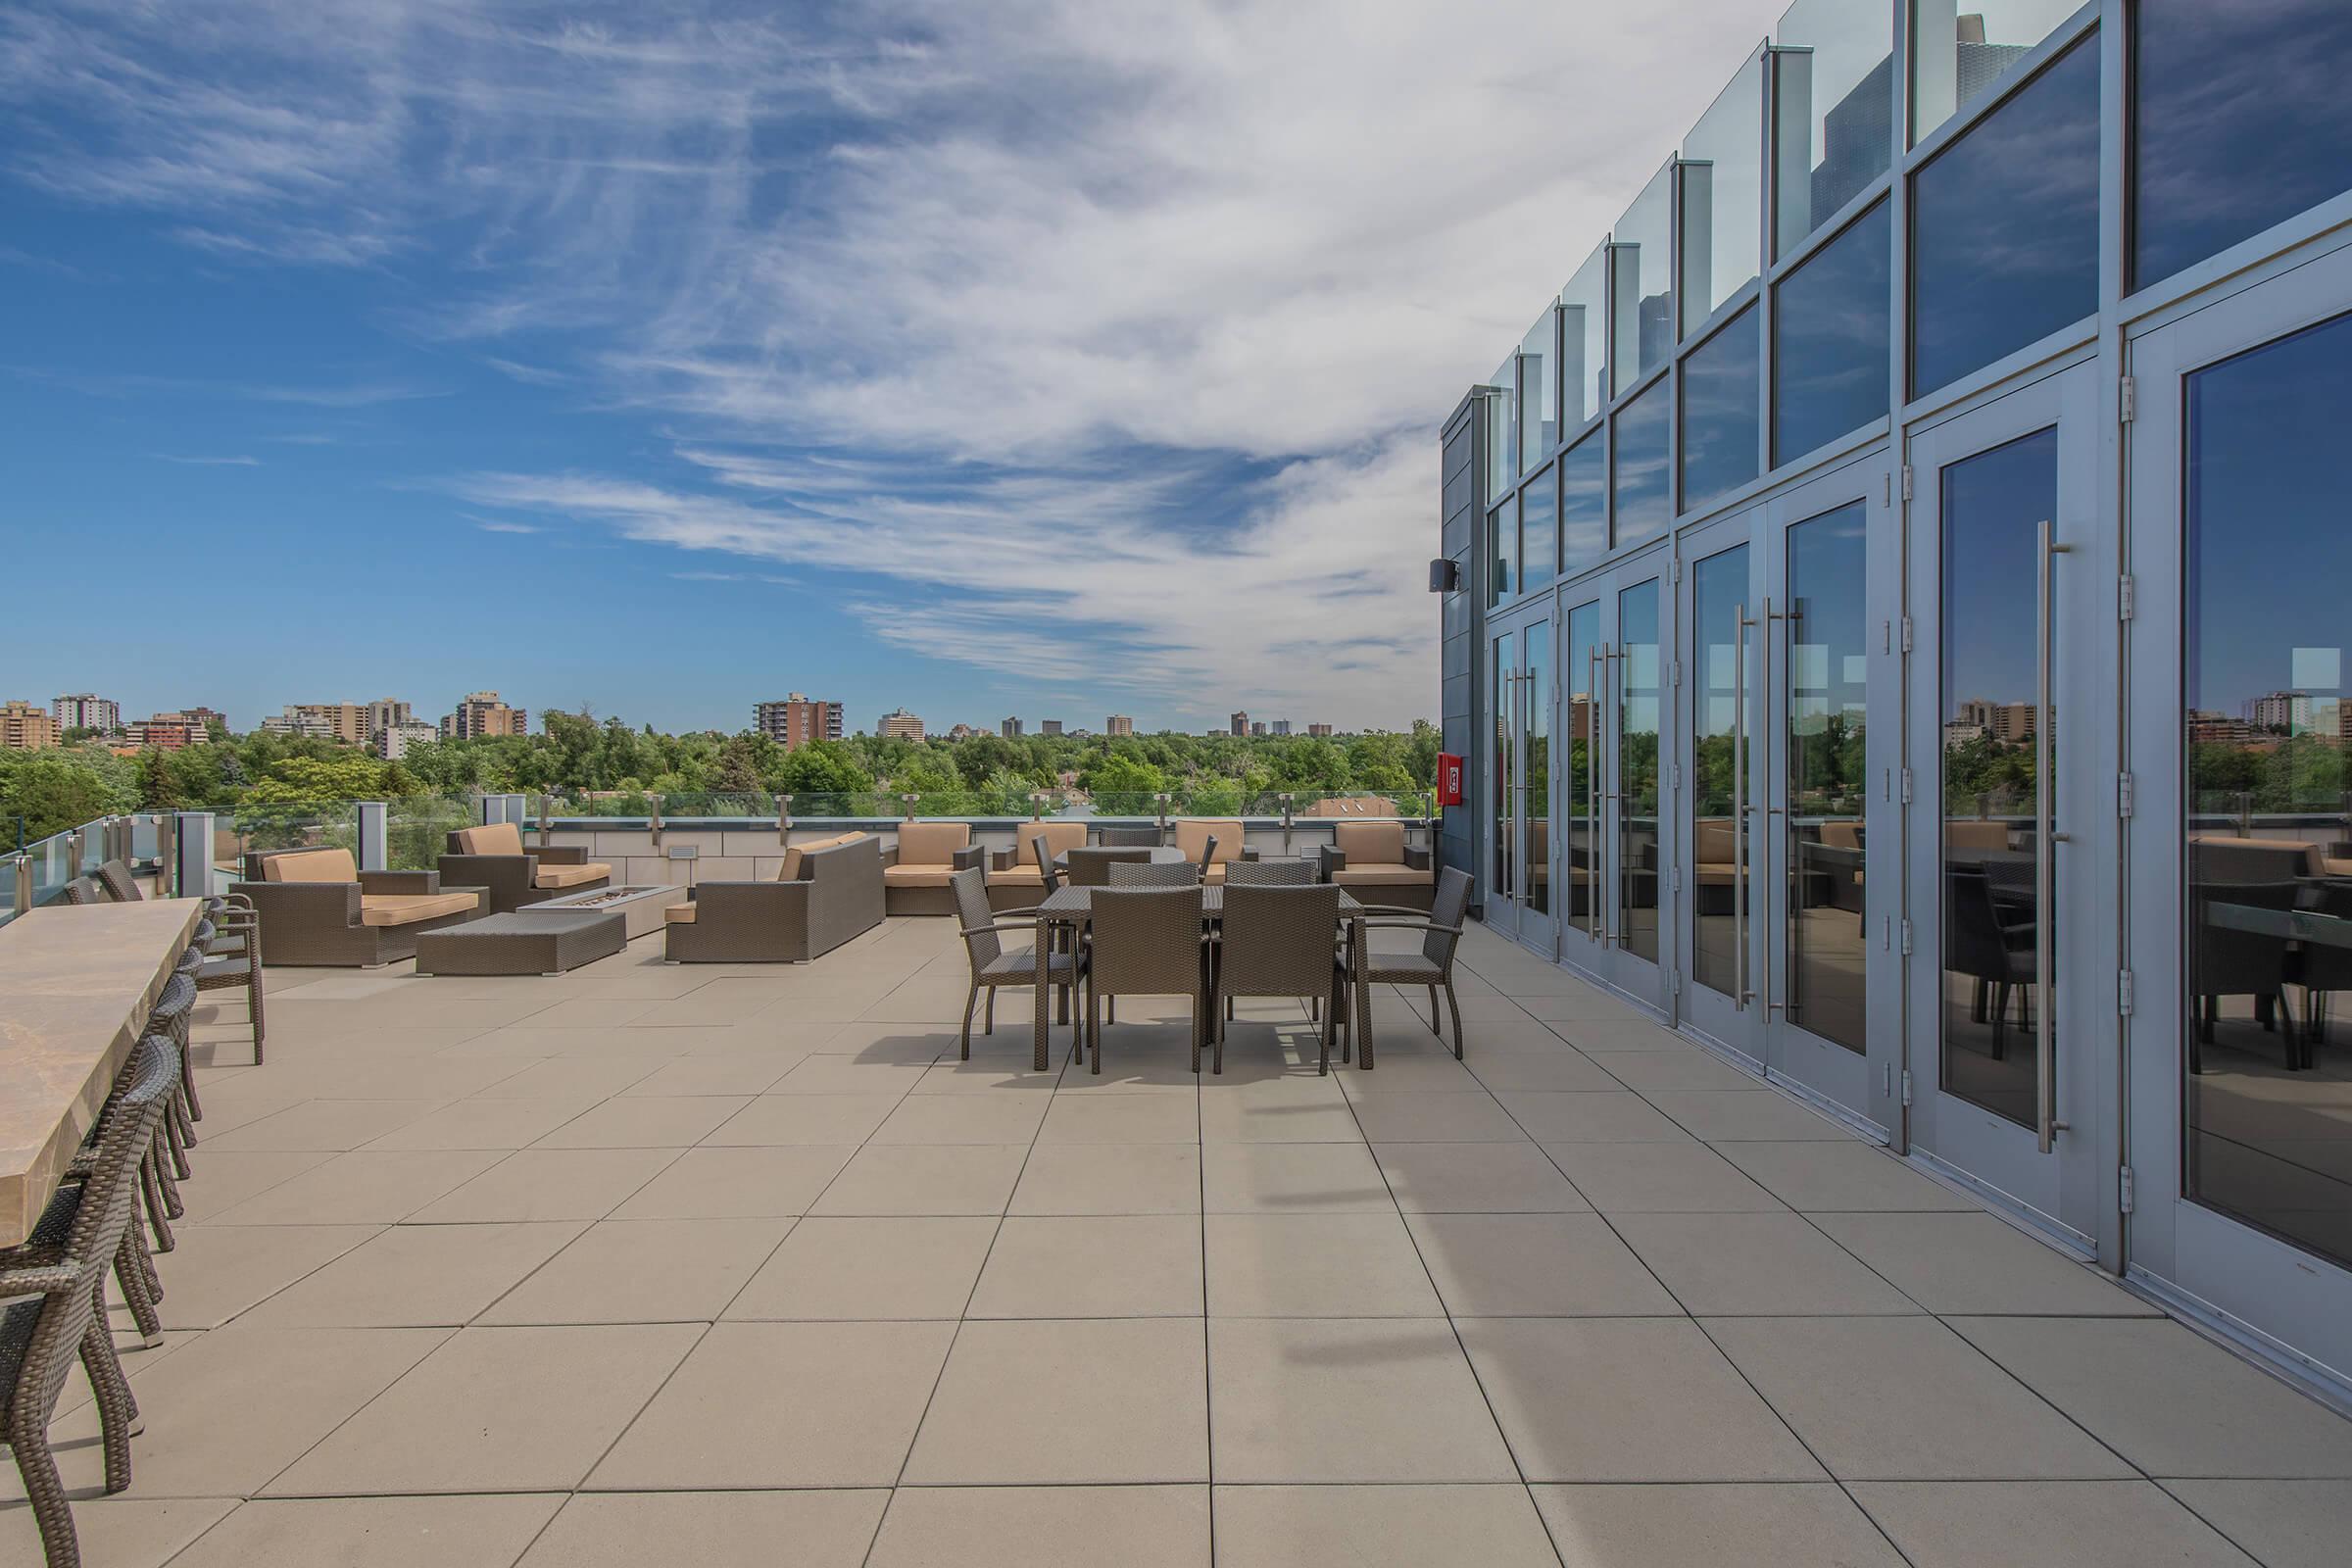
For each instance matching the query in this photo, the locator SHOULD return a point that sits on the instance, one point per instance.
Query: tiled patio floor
(727, 1266)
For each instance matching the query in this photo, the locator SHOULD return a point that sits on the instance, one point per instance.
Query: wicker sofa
(319, 909)
(494, 857)
(1372, 860)
(827, 892)
(915, 870)
(1015, 881)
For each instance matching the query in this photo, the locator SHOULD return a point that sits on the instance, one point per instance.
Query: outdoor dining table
(76, 983)
(1156, 855)
(1069, 906)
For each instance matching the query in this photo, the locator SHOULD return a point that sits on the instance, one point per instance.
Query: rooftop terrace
(647, 1263)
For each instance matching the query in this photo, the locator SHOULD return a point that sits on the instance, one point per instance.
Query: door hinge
(1906, 939)
(1906, 786)
(2126, 794)
(1677, 675)
(2126, 596)
(1906, 634)
(1677, 879)
(1677, 775)
(2126, 1194)
(2123, 991)
(2127, 400)
(1907, 481)
(1906, 1086)
(1674, 978)
(1678, 568)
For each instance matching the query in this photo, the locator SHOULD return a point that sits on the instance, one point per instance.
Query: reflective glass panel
(1721, 383)
(1538, 505)
(1584, 340)
(1835, 129)
(1723, 197)
(1964, 49)
(1583, 506)
(1832, 339)
(1535, 792)
(1639, 459)
(1719, 733)
(2239, 120)
(2267, 869)
(1993, 507)
(1638, 711)
(1502, 429)
(2005, 226)
(1581, 782)
(1506, 770)
(1643, 247)
(1827, 684)
(1539, 408)
(1503, 559)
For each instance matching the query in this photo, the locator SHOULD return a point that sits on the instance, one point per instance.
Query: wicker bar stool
(62, 1271)
(1149, 942)
(1277, 942)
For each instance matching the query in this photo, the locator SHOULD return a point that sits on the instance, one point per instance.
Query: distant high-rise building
(1240, 723)
(1280, 726)
(1258, 726)
(1321, 732)
(1049, 726)
(27, 728)
(797, 720)
(203, 718)
(87, 711)
(385, 713)
(1010, 729)
(303, 719)
(901, 724)
(1118, 724)
(393, 741)
(166, 732)
(347, 723)
(2281, 711)
(480, 715)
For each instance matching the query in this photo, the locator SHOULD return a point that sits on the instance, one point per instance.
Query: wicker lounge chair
(982, 929)
(1016, 877)
(493, 856)
(915, 870)
(1212, 844)
(1372, 860)
(319, 908)
(1149, 942)
(820, 898)
(1433, 966)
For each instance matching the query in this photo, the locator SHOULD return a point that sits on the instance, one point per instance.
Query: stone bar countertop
(76, 985)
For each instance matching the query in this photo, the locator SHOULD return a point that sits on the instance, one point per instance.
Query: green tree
(59, 787)
(820, 768)
(159, 790)
(1122, 774)
(319, 781)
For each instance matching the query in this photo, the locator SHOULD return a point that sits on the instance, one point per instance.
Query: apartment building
(393, 741)
(480, 715)
(1319, 732)
(1240, 723)
(1049, 726)
(87, 711)
(900, 724)
(797, 720)
(1010, 729)
(167, 732)
(25, 726)
(1118, 724)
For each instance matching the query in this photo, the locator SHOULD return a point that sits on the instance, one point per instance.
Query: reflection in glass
(1503, 553)
(1964, 49)
(2005, 226)
(1827, 691)
(1723, 198)
(1722, 392)
(1585, 341)
(2239, 120)
(1502, 429)
(1719, 604)
(1641, 249)
(1993, 507)
(1638, 464)
(1832, 342)
(1538, 412)
(1637, 709)
(2268, 870)
(1835, 129)
(1580, 782)
(1538, 504)
(1506, 782)
(1534, 790)
(1583, 506)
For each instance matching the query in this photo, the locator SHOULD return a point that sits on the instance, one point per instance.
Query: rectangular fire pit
(640, 904)
(522, 943)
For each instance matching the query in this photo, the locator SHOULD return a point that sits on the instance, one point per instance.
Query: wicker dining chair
(1433, 966)
(1129, 838)
(1145, 942)
(238, 970)
(1290, 873)
(1208, 855)
(1278, 942)
(61, 1271)
(135, 1269)
(1154, 874)
(982, 930)
(1090, 867)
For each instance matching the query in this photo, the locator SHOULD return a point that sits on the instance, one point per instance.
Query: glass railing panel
(1723, 197)
(1642, 243)
(417, 829)
(1835, 120)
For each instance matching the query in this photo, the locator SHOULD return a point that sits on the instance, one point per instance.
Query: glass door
(1722, 790)
(1522, 898)
(1581, 893)
(2240, 1130)
(2013, 757)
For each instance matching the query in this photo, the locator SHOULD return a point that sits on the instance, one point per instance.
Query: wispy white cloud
(498, 525)
(733, 577)
(338, 395)
(208, 463)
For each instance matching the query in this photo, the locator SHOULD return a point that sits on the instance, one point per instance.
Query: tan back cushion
(499, 838)
(790, 871)
(1965, 834)
(1061, 838)
(932, 843)
(1712, 842)
(1370, 843)
(310, 865)
(1193, 834)
(1842, 835)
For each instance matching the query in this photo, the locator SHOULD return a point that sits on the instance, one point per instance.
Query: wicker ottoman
(521, 944)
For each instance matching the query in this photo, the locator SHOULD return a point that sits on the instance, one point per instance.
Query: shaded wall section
(1462, 626)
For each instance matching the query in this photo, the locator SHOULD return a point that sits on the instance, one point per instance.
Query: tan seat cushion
(499, 838)
(569, 876)
(1214, 877)
(932, 843)
(1718, 873)
(1373, 843)
(1017, 876)
(680, 914)
(790, 871)
(1382, 876)
(1061, 839)
(916, 876)
(310, 865)
(1193, 834)
(1969, 834)
(407, 908)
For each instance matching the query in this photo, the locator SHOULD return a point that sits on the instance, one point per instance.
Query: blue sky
(1008, 358)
